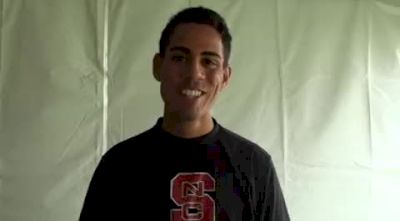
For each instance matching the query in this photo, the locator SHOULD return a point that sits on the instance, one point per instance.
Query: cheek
(169, 68)
(168, 86)
(216, 81)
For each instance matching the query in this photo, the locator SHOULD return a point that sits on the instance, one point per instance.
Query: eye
(178, 58)
(210, 63)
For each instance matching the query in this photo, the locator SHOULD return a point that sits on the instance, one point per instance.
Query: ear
(157, 60)
(226, 76)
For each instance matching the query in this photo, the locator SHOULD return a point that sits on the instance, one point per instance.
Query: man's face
(192, 71)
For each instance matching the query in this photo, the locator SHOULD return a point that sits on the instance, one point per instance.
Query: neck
(187, 128)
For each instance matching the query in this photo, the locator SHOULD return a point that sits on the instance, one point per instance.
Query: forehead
(196, 37)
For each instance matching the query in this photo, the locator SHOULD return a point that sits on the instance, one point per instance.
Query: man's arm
(271, 205)
(98, 196)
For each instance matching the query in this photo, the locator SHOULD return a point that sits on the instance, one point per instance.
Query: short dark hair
(198, 15)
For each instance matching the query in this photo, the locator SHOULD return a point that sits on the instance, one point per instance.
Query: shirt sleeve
(270, 205)
(97, 201)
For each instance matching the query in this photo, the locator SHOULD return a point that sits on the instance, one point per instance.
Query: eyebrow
(187, 51)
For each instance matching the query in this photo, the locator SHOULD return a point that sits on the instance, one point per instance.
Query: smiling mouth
(192, 93)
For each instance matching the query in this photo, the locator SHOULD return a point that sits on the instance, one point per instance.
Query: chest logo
(188, 191)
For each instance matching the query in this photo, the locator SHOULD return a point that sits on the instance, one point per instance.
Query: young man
(187, 167)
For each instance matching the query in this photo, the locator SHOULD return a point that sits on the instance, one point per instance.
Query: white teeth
(191, 93)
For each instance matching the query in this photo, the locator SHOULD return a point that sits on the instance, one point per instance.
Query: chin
(188, 116)
(185, 114)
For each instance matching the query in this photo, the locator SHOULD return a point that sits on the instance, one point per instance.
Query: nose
(195, 69)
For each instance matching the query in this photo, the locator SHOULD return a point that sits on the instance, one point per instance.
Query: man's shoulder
(246, 155)
(239, 144)
(131, 144)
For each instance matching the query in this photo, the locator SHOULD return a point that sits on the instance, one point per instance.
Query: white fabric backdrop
(315, 82)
